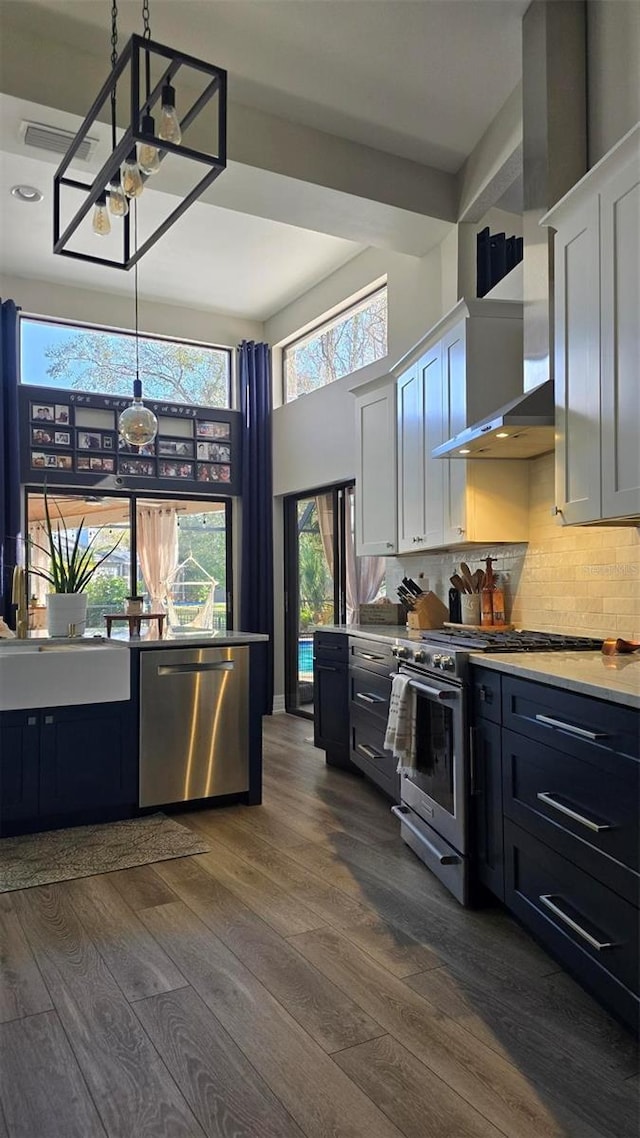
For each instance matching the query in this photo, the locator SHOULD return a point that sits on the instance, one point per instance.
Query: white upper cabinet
(597, 340)
(376, 472)
(466, 367)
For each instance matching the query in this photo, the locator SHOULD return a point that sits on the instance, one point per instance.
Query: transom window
(357, 336)
(83, 358)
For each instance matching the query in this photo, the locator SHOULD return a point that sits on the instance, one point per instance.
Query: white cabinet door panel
(577, 377)
(411, 461)
(430, 369)
(620, 347)
(376, 477)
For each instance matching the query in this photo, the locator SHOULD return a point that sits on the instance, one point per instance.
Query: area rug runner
(60, 855)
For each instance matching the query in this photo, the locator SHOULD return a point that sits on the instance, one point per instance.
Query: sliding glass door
(324, 581)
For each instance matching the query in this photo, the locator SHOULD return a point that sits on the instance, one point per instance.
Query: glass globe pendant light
(137, 424)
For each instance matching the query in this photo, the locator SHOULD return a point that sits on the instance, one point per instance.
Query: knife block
(429, 612)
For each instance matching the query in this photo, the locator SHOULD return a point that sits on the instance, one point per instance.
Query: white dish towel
(400, 737)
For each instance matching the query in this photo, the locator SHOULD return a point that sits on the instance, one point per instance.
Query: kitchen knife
(410, 584)
(459, 584)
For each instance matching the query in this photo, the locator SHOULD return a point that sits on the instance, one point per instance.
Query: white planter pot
(65, 610)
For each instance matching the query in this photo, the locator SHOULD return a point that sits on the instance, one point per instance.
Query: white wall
(42, 298)
(613, 46)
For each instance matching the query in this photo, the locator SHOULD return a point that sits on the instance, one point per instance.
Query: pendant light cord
(114, 60)
(135, 283)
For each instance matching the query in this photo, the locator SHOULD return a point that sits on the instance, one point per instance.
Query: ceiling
(419, 79)
(212, 258)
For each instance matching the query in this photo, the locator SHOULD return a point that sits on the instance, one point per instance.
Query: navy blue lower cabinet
(331, 697)
(19, 766)
(486, 803)
(587, 927)
(87, 762)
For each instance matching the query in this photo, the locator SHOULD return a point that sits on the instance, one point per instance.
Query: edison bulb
(132, 183)
(137, 424)
(100, 223)
(118, 204)
(148, 157)
(169, 122)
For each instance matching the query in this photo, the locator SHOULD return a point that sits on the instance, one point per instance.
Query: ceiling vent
(55, 140)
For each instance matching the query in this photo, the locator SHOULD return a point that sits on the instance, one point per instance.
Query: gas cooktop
(485, 640)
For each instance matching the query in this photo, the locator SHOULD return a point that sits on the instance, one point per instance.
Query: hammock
(203, 618)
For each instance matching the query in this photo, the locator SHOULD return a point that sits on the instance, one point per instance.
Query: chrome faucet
(19, 599)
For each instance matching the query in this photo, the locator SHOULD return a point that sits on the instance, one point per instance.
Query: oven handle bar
(402, 813)
(434, 693)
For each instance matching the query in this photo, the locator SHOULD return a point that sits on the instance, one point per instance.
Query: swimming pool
(305, 655)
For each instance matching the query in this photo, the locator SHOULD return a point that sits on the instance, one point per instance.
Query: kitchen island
(98, 752)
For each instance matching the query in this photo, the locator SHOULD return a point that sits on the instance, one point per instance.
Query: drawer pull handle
(369, 752)
(369, 698)
(549, 800)
(326, 668)
(370, 656)
(570, 727)
(403, 813)
(599, 945)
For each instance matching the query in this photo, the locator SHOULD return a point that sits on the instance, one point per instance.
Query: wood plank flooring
(307, 978)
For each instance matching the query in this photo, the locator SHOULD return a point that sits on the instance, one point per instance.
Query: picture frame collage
(199, 451)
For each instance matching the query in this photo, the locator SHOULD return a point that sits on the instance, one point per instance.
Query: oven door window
(435, 724)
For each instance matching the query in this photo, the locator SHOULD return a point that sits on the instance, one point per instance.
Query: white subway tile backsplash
(582, 579)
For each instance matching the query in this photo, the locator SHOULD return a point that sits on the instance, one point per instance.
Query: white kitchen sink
(61, 673)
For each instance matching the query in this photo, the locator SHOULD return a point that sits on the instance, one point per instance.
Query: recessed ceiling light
(26, 193)
(502, 435)
(464, 451)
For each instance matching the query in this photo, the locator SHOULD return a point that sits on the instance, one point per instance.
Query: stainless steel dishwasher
(194, 723)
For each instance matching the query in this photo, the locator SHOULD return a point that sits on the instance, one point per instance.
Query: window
(79, 357)
(354, 338)
(176, 556)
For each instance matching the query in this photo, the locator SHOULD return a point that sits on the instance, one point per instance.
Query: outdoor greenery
(339, 348)
(92, 360)
(315, 580)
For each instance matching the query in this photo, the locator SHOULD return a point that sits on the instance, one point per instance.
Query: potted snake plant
(70, 569)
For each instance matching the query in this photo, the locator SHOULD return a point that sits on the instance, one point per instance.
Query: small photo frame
(65, 462)
(213, 452)
(83, 462)
(101, 465)
(137, 467)
(128, 448)
(38, 459)
(89, 440)
(175, 469)
(43, 412)
(175, 448)
(107, 442)
(62, 438)
(42, 437)
(207, 472)
(62, 414)
(206, 429)
(51, 461)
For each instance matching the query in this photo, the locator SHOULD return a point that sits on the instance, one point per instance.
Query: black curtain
(9, 453)
(256, 588)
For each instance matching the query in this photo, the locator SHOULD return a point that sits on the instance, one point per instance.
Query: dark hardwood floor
(307, 978)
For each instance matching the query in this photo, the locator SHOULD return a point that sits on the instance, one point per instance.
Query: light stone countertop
(612, 678)
(122, 639)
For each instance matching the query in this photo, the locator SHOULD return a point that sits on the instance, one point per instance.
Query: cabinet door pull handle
(369, 698)
(548, 901)
(325, 668)
(48, 718)
(370, 656)
(31, 721)
(473, 770)
(402, 812)
(369, 752)
(550, 800)
(570, 727)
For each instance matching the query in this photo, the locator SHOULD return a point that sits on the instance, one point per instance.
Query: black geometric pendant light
(157, 116)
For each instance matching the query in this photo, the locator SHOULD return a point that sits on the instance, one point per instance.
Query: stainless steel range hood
(522, 428)
(553, 160)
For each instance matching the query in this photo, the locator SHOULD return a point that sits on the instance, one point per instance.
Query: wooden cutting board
(481, 627)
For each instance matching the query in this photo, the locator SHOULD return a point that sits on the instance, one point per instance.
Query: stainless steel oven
(435, 793)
